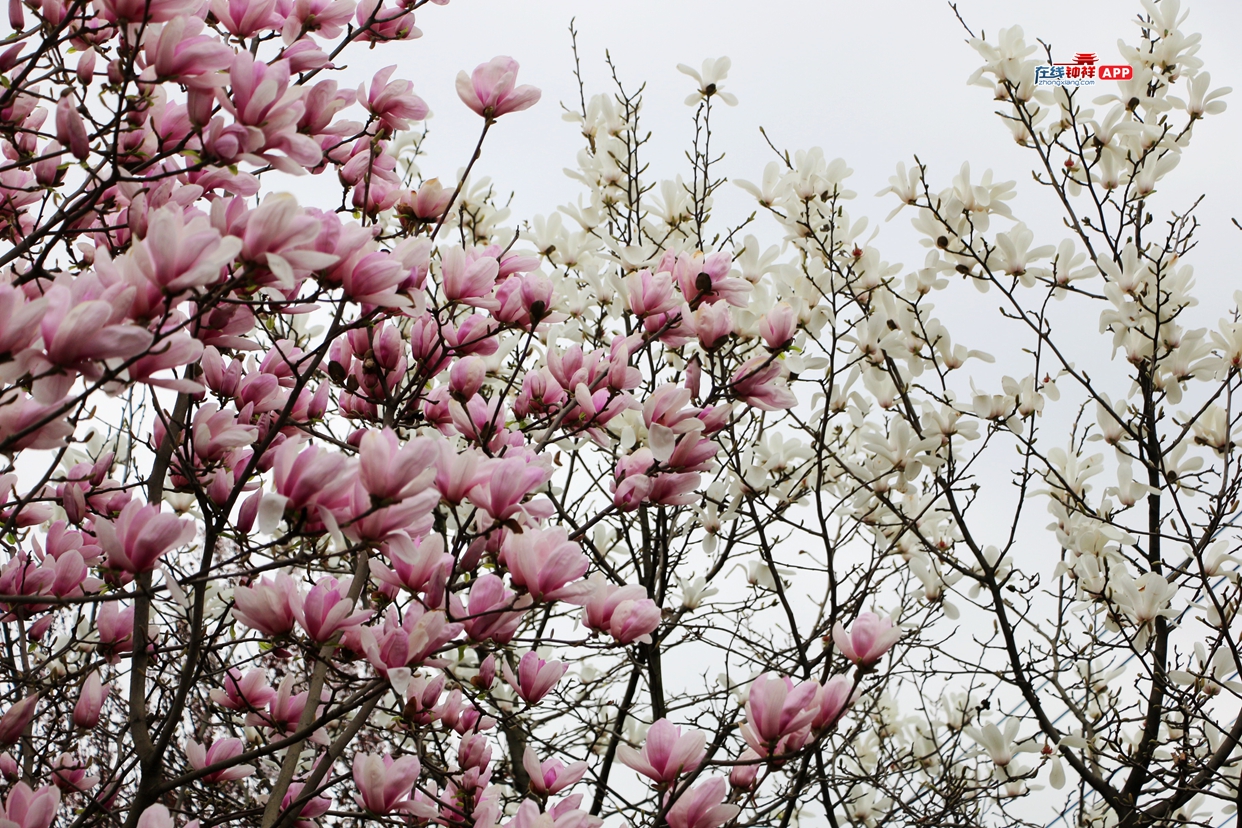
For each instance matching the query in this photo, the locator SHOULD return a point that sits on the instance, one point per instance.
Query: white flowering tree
(388, 512)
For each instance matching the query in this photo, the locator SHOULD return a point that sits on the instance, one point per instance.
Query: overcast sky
(873, 83)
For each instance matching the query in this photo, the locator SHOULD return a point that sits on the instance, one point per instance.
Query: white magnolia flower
(999, 744)
(905, 185)
(1144, 598)
(714, 71)
(694, 590)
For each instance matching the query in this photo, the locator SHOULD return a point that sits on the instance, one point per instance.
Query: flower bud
(86, 67)
(466, 377)
(90, 702)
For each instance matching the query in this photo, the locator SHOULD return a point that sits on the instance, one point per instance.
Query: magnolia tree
(387, 512)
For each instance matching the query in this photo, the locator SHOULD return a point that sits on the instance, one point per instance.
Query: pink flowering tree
(384, 511)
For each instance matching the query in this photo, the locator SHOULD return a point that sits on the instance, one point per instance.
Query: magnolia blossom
(709, 80)
(384, 783)
(90, 702)
(491, 89)
(27, 808)
(777, 708)
(268, 605)
(222, 750)
(142, 533)
(14, 721)
(667, 752)
(550, 776)
(868, 639)
(703, 806)
(534, 677)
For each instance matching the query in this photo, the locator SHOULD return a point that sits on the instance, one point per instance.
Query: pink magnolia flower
(626, 612)
(182, 52)
(491, 92)
(22, 576)
(525, 301)
(284, 708)
(493, 612)
(278, 235)
(390, 471)
(427, 203)
(635, 485)
(70, 128)
(701, 806)
(394, 104)
(474, 752)
(465, 279)
(571, 367)
(669, 406)
(77, 330)
(19, 318)
(150, 11)
(215, 433)
(179, 254)
(482, 421)
(116, 630)
(263, 99)
(833, 698)
(743, 776)
(68, 774)
(325, 17)
(46, 170)
(512, 479)
(26, 808)
(667, 752)
(543, 561)
(141, 535)
(312, 808)
(541, 394)
(467, 376)
(692, 453)
(712, 323)
(374, 277)
(221, 751)
(312, 476)
(157, 816)
(563, 814)
(414, 562)
(20, 414)
(248, 692)
(776, 708)
(422, 696)
(650, 294)
(267, 606)
(246, 18)
(380, 22)
(90, 701)
(535, 677)
(327, 609)
(550, 776)
(172, 352)
(412, 516)
(868, 639)
(395, 645)
(760, 382)
(778, 327)
(13, 722)
(323, 101)
(705, 279)
(384, 784)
